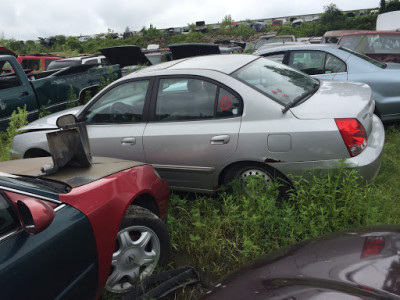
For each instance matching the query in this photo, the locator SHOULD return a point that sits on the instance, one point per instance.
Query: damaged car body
(204, 121)
(79, 224)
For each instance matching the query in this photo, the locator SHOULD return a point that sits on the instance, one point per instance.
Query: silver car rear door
(194, 131)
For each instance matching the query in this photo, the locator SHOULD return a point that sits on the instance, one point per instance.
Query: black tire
(142, 243)
(36, 153)
(235, 177)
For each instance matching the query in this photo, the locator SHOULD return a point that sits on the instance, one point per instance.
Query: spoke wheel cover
(135, 257)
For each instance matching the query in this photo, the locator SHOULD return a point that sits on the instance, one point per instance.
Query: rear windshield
(279, 82)
(366, 58)
(280, 39)
(372, 43)
(58, 64)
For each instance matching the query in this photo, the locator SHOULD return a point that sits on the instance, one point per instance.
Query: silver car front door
(195, 130)
(115, 121)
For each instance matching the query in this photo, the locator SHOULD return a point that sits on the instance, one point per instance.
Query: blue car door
(57, 263)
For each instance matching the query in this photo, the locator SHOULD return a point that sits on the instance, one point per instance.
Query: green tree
(244, 31)
(226, 22)
(150, 33)
(333, 17)
(382, 7)
(73, 44)
(392, 5)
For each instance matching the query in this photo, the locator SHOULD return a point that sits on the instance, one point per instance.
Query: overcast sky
(26, 19)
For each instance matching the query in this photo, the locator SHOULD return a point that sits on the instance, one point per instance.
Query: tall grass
(18, 119)
(217, 235)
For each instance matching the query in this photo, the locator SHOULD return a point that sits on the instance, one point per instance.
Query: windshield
(280, 39)
(366, 58)
(58, 64)
(45, 185)
(279, 82)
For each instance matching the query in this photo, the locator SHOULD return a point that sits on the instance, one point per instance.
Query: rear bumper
(367, 163)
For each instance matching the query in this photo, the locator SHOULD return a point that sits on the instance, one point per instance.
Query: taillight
(353, 135)
(373, 245)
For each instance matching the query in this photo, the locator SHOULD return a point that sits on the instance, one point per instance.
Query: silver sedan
(333, 62)
(204, 121)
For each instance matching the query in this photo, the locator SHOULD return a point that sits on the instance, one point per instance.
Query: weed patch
(221, 234)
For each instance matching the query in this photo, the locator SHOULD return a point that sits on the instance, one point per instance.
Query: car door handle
(220, 139)
(128, 141)
(25, 93)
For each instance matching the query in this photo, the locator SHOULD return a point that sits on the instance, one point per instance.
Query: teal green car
(48, 90)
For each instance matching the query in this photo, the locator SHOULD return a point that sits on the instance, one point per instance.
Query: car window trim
(40, 197)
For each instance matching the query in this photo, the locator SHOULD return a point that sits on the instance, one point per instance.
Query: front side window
(122, 104)
(8, 219)
(277, 81)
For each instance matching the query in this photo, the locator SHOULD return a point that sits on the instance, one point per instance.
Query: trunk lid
(339, 100)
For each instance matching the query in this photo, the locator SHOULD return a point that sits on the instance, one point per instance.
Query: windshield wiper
(300, 98)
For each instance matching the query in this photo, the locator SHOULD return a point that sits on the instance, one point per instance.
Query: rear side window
(47, 62)
(33, 64)
(277, 57)
(228, 104)
(316, 62)
(185, 99)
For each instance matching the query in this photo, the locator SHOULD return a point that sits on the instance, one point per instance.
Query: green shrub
(18, 119)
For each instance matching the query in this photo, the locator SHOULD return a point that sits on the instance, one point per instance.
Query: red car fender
(105, 201)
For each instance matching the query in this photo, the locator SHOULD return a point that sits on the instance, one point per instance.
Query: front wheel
(142, 243)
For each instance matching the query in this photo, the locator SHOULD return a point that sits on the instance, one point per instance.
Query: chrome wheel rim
(135, 257)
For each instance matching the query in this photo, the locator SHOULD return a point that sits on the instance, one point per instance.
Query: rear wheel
(36, 153)
(237, 177)
(142, 243)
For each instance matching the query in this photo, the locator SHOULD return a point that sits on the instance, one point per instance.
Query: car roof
(298, 46)
(225, 63)
(372, 32)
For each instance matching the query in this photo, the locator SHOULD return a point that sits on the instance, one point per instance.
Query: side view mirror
(66, 120)
(35, 215)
